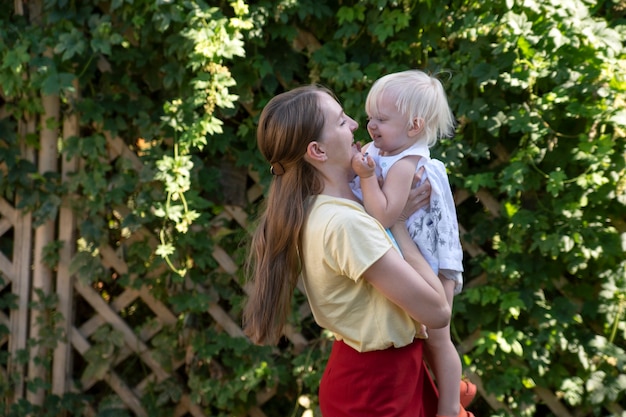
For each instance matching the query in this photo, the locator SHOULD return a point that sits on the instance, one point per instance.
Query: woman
(359, 286)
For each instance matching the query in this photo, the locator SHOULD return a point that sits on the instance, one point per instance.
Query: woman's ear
(315, 152)
(416, 127)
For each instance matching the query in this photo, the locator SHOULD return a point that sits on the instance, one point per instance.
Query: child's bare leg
(445, 363)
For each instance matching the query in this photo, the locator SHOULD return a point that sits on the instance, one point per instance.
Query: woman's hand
(419, 196)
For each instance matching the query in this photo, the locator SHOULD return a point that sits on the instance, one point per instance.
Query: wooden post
(61, 364)
(44, 234)
(18, 320)
(19, 7)
(21, 284)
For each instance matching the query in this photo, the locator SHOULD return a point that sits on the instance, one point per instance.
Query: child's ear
(416, 127)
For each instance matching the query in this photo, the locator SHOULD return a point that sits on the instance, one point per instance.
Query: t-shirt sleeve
(355, 242)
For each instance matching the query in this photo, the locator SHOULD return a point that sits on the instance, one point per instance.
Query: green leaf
(556, 181)
(478, 181)
(55, 83)
(192, 302)
(70, 44)
(165, 250)
(85, 266)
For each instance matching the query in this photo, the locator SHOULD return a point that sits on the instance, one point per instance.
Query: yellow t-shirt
(340, 242)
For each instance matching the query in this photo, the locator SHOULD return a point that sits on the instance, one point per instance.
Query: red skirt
(383, 383)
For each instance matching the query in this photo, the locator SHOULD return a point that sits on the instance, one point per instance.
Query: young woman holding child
(372, 298)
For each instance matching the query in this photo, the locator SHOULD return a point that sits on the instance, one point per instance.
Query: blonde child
(407, 113)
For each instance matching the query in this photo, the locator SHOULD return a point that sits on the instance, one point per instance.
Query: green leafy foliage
(539, 92)
(101, 354)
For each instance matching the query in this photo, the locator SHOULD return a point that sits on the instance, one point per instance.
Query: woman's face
(338, 133)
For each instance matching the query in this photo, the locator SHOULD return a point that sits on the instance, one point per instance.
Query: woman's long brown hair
(288, 123)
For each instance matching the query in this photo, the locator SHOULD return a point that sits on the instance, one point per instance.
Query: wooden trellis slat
(9, 216)
(551, 400)
(126, 393)
(4, 320)
(187, 406)
(6, 266)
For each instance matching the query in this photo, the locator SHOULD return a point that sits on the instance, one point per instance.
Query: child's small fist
(363, 165)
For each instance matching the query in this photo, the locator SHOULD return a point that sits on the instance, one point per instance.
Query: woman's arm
(418, 293)
(421, 295)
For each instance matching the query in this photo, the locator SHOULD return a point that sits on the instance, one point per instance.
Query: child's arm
(386, 203)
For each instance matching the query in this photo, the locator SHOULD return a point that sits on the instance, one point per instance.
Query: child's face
(389, 128)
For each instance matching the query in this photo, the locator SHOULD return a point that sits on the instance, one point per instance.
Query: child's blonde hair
(417, 96)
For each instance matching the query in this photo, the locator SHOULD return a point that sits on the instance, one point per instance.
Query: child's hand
(363, 165)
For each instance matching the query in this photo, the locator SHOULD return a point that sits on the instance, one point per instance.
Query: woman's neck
(340, 189)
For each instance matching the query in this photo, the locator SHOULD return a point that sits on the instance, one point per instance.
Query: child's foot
(468, 392)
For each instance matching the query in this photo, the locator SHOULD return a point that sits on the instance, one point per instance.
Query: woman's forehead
(330, 106)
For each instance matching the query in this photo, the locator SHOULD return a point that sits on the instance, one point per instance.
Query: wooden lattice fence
(23, 274)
